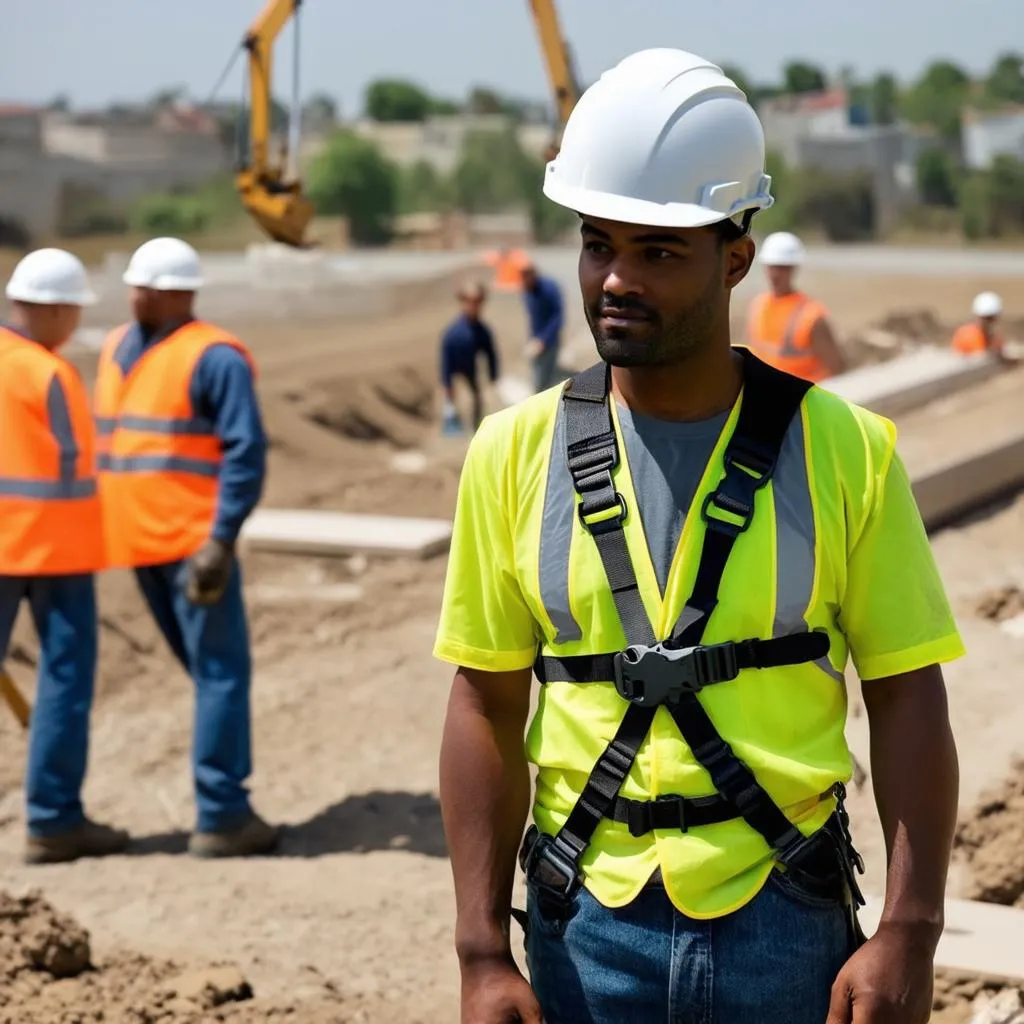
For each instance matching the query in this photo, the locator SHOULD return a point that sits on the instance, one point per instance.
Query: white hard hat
(782, 249)
(664, 139)
(166, 264)
(987, 304)
(49, 277)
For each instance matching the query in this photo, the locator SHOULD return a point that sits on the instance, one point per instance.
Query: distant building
(29, 183)
(988, 134)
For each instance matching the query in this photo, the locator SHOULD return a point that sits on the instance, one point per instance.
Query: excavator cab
(271, 192)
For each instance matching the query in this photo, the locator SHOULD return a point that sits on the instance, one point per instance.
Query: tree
(443, 107)
(320, 110)
(937, 98)
(484, 101)
(166, 97)
(883, 99)
(392, 99)
(1005, 83)
(936, 178)
(421, 188)
(799, 76)
(492, 172)
(60, 103)
(352, 178)
(740, 78)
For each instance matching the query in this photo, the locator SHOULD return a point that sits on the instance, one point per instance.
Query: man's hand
(534, 348)
(209, 570)
(494, 992)
(888, 980)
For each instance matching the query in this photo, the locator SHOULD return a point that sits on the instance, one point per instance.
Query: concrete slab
(912, 380)
(319, 532)
(983, 939)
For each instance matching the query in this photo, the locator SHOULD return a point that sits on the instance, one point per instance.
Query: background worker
(507, 264)
(689, 857)
(463, 342)
(182, 463)
(545, 311)
(51, 543)
(983, 333)
(786, 328)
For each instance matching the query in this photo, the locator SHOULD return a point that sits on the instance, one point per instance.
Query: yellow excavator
(271, 191)
(558, 58)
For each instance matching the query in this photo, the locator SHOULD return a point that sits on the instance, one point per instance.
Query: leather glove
(209, 570)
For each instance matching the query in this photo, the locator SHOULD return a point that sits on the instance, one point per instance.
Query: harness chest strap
(771, 399)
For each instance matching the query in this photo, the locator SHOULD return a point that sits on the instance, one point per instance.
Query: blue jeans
(771, 962)
(212, 644)
(64, 614)
(545, 369)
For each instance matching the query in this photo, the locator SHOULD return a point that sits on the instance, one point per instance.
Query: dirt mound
(1001, 604)
(895, 334)
(47, 976)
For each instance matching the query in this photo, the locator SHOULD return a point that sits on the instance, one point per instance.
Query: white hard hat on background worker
(50, 277)
(782, 249)
(165, 264)
(987, 304)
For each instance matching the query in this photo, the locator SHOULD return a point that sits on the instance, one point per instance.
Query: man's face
(781, 278)
(655, 296)
(472, 302)
(145, 303)
(529, 275)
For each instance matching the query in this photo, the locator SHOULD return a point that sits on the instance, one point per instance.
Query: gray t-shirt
(666, 461)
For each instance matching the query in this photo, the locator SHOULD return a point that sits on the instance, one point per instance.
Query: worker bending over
(983, 333)
(463, 342)
(544, 309)
(688, 545)
(182, 462)
(51, 543)
(785, 328)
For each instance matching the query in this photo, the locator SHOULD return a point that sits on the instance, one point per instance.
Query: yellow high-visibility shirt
(836, 543)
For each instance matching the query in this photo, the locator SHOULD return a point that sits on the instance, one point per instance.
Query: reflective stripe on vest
(786, 350)
(794, 539)
(48, 493)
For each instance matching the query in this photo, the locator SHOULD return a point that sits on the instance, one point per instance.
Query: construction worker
(983, 334)
(785, 328)
(51, 544)
(689, 857)
(544, 308)
(463, 342)
(507, 264)
(182, 461)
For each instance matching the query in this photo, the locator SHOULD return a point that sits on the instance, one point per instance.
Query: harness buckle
(650, 676)
(548, 866)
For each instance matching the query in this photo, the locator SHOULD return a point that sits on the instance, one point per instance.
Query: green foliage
(740, 78)
(842, 206)
(352, 178)
(493, 172)
(1005, 83)
(992, 202)
(937, 99)
(799, 76)
(484, 101)
(422, 188)
(320, 110)
(883, 99)
(165, 214)
(936, 178)
(394, 99)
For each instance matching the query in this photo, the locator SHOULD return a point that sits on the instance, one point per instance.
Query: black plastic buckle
(643, 817)
(608, 523)
(547, 866)
(650, 676)
(752, 458)
(731, 505)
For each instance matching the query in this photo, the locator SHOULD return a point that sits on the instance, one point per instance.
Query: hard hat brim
(163, 283)
(45, 297)
(627, 210)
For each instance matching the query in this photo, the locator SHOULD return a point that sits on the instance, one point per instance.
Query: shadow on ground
(379, 820)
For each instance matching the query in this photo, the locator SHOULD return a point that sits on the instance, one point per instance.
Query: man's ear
(739, 258)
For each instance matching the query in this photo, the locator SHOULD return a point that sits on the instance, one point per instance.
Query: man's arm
(826, 347)
(485, 798)
(487, 344)
(224, 392)
(550, 328)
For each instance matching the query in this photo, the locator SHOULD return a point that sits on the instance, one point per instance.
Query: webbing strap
(770, 401)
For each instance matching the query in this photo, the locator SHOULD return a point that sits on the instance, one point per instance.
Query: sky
(99, 51)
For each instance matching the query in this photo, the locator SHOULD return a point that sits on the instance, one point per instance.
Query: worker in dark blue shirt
(464, 341)
(545, 310)
(182, 468)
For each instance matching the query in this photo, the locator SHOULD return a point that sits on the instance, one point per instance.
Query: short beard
(666, 344)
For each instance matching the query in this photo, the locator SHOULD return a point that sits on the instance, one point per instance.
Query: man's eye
(595, 247)
(659, 255)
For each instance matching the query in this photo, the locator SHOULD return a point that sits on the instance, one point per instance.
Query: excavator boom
(271, 198)
(558, 59)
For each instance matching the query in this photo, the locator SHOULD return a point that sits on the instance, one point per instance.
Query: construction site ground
(352, 920)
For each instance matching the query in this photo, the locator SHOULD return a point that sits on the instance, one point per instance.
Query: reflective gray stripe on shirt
(788, 346)
(795, 539)
(157, 464)
(44, 490)
(60, 426)
(196, 426)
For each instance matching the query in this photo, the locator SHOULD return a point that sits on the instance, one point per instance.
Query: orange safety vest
(970, 338)
(159, 461)
(779, 333)
(49, 508)
(508, 268)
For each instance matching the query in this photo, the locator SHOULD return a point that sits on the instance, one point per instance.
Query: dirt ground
(352, 920)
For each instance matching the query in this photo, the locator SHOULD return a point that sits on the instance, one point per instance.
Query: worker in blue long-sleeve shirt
(182, 458)
(463, 342)
(545, 310)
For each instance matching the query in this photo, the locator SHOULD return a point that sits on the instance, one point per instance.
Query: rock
(1006, 1007)
(210, 986)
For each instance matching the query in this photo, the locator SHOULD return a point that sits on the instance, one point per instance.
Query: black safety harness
(649, 675)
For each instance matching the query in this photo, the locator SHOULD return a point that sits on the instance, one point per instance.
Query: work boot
(251, 838)
(87, 839)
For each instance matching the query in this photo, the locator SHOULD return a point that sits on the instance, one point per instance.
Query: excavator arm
(272, 197)
(558, 58)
